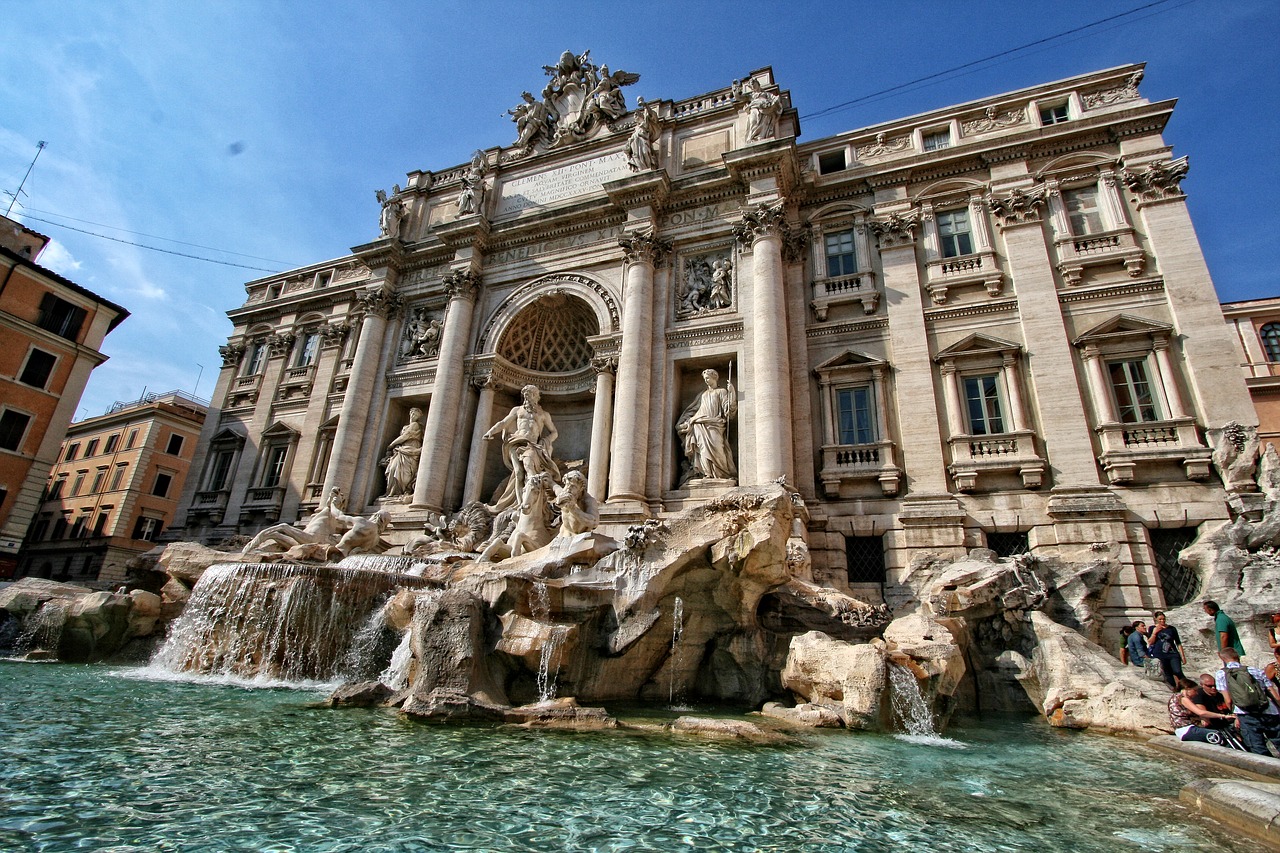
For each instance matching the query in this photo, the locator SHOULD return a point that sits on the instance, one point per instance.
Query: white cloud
(57, 258)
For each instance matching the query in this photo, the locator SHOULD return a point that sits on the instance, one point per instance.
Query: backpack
(1246, 693)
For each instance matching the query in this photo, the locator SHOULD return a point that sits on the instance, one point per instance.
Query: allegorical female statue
(703, 427)
(402, 457)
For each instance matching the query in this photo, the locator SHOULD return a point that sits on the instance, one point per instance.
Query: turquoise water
(95, 758)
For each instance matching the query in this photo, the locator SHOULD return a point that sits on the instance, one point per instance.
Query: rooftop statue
(472, 194)
(393, 212)
(763, 108)
(578, 98)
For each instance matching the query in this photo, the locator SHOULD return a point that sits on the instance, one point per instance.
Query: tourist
(1273, 632)
(1125, 633)
(1273, 668)
(1166, 646)
(1136, 645)
(1224, 628)
(1209, 697)
(1188, 718)
(1253, 699)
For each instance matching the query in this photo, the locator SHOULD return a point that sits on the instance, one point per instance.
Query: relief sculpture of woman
(402, 457)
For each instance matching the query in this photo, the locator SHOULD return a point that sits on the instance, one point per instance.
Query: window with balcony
(307, 346)
(219, 470)
(856, 415)
(842, 258)
(1083, 210)
(256, 358)
(1054, 114)
(1131, 384)
(1270, 334)
(955, 235)
(38, 369)
(13, 429)
(1090, 220)
(982, 402)
(857, 454)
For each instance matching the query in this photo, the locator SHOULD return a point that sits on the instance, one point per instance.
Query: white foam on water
(933, 740)
(157, 673)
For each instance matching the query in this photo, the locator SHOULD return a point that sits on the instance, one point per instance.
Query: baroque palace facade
(989, 325)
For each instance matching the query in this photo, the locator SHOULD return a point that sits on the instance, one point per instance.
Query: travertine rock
(359, 694)
(718, 729)
(187, 561)
(849, 679)
(805, 715)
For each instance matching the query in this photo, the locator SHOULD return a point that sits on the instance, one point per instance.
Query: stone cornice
(841, 329)
(470, 231)
(976, 309)
(649, 189)
(381, 253)
(774, 158)
(692, 336)
(1154, 284)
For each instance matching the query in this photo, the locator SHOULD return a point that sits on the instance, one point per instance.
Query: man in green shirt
(1228, 636)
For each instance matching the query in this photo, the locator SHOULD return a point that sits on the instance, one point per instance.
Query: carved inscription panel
(566, 182)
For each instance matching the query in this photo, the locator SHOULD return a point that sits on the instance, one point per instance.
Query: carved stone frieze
(1160, 180)
(462, 283)
(280, 343)
(423, 331)
(231, 354)
(706, 284)
(899, 229)
(1017, 207)
(995, 120)
(764, 220)
(883, 147)
(350, 270)
(380, 301)
(644, 247)
(1115, 95)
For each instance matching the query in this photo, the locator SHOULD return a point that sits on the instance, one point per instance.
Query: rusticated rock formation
(74, 623)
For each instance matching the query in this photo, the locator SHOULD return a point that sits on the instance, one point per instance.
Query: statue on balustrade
(528, 436)
(324, 527)
(393, 212)
(401, 461)
(703, 427)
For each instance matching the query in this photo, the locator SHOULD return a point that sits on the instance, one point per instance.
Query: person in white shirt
(1258, 724)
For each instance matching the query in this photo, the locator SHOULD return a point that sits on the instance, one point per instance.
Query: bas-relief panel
(420, 338)
(705, 283)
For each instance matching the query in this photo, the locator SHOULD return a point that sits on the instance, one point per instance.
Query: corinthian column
(601, 425)
(761, 231)
(442, 416)
(475, 460)
(379, 302)
(642, 252)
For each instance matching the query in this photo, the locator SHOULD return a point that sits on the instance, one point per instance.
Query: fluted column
(643, 252)
(1169, 380)
(761, 229)
(440, 432)
(379, 303)
(1100, 386)
(475, 461)
(601, 425)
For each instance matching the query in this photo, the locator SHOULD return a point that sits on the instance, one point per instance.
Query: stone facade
(987, 326)
(1255, 323)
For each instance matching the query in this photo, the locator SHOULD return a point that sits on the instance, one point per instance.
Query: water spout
(911, 712)
(549, 663)
(675, 699)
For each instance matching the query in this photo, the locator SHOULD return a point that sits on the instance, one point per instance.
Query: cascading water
(549, 663)
(911, 712)
(675, 698)
(276, 621)
(43, 629)
(396, 675)
(539, 602)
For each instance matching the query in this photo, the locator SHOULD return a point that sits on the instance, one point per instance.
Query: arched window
(1270, 334)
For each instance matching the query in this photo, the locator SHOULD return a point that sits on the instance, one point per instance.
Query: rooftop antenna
(13, 197)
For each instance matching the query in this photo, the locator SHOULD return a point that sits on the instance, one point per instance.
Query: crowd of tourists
(1237, 707)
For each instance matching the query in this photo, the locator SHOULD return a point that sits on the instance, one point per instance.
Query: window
(257, 354)
(864, 558)
(1055, 114)
(100, 523)
(39, 529)
(72, 451)
(831, 161)
(147, 529)
(936, 140)
(79, 482)
(77, 529)
(161, 487)
(60, 317)
(13, 428)
(38, 368)
(219, 469)
(91, 449)
(112, 441)
(856, 415)
(273, 291)
(307, 345)
(323, 279)
(1132, 387)
(982, 399)
(117, 476)
(274, 469)
(98, 479)
(1083, 211)
(1270, 334)
(55, 488)
(841, 258)
(1181, 585)
(954, 233)
(133, 439)
(1009, 544)
(59, 527)
(175, 445)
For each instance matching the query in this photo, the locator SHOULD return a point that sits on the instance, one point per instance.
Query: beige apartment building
(1256, 326)
(989, 325)
(114, 488)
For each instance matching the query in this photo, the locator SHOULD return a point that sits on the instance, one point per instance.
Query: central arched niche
(546, 343)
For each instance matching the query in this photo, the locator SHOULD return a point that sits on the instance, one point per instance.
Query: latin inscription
(558, 244)
(559, 184)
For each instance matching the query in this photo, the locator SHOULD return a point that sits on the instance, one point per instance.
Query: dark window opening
(1181, 585)
(60, 317)
(38, 368)
(864, 558)
(13, 427)
(1009, 544)
(832, 161)
(175, 445)
(161, 488)
(113, 441)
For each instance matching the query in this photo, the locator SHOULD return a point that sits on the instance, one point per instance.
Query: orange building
(1256, 323)
(52, 330)
(114, 488)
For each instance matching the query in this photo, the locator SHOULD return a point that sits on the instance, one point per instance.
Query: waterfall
(396, 675)
(280, 621)
(549, 663)
(43, 629)
(675, 699)
(394, 563)
(911, 712)
(539, 602)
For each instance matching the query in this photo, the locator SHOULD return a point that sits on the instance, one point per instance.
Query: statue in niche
(704, 430)
(365, 535)
(708, 285)
(422, 336)
(528, 436)
(763, 109)
(641, 153)
(579, 511)
(324, 527)
(401, 461)
(393, 212)
(472, 194)
(533, 120)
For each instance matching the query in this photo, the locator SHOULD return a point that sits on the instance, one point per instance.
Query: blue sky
(263, 128)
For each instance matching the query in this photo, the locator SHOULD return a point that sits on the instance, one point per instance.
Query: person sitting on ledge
(1188, 718)
(1136, 644)
(1209, 697)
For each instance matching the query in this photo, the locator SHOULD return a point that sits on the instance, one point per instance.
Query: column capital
(463, 284)
(644, 247)
(280, 342)
(1161, 181)
(482, 380)
(333, 334)
(605, 363)
(764, 220)
(379, 300)
(899, 229)
(231, 354)
(947, 367)
(1018, 207)
(795, 242)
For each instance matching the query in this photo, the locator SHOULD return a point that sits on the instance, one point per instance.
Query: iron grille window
(864, 558)
(1180, 584)
(1009, 544)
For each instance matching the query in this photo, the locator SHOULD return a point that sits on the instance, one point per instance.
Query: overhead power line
(976, 62)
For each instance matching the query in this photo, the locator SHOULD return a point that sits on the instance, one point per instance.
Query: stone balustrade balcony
(211, 503)
(1105, 247)
(842, 290)
(1127, 446)
(979, 268)
(1009, 452)
(265, 500)
(844, 465)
